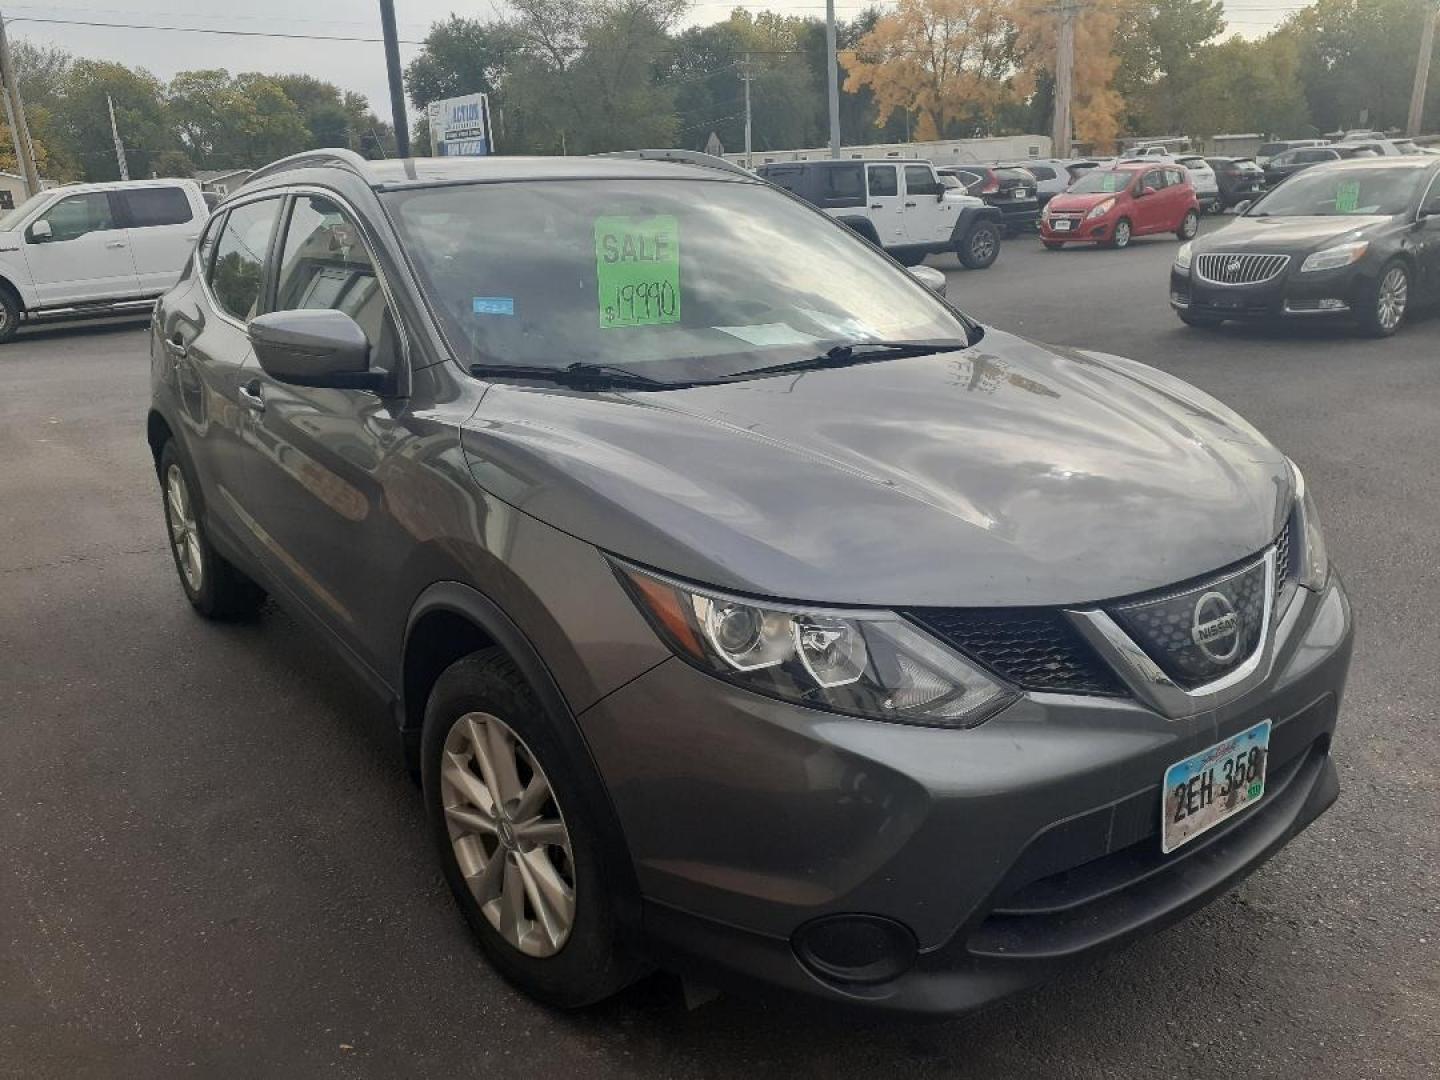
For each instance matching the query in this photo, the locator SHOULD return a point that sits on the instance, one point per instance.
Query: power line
(208, 30)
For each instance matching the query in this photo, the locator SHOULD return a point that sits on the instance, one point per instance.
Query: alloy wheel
(1394, 293)
(184, 533)
(982, 245)
(1122, 234)
(1190, 226)
(508, 834)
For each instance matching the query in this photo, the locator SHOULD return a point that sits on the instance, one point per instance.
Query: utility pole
(15, 106)
(1064, 77)
(397, 87)
(1422, 73)
(832, 78)
(747, 75)
(119, 146)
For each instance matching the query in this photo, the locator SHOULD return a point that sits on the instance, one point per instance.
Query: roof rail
(335, 156)
(683, 157)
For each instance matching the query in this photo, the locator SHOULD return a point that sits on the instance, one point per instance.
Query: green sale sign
(637, 266)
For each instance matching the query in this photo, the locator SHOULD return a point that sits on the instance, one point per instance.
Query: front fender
(971, 216)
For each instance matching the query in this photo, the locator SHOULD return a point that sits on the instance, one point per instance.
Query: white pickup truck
(95, 248)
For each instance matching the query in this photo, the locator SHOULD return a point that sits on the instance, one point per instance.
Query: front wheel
(9, 316)
(1383, 310)
(1120, 238)
(981, 246)
(514, 817)
(1189, 226)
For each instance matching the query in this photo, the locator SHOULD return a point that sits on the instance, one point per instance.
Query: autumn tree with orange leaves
(949, 61)
(1098, 109)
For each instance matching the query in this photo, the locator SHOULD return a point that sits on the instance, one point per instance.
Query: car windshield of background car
(1342, 192)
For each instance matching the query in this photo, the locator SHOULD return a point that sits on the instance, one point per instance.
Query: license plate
(1217, 783)
(1061, 225)
(1022, 193)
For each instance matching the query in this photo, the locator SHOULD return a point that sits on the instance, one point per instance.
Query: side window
(74, 217)
(152, 207)
(325, 264)
(207, 243)
(883, 180)
(1152, 181)
(239, 266)
(787, 178)
(1173, 177)
(920, 180)
(1041, 172)
(842, 185)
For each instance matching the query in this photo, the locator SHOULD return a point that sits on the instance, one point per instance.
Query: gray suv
(745, 608)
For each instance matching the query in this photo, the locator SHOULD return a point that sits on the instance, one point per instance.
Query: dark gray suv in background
(745, 608)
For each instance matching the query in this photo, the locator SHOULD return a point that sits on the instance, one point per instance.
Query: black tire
(1189, 226)
(1373, 321)
(1202, 322)
(9, 315)
(981, 246)
(218, 590)
(1120, 238)
(596, 960)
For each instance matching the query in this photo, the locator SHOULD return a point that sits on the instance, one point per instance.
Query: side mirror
(40, 231)
(1141, 192)
(931, 278)
(318, 347)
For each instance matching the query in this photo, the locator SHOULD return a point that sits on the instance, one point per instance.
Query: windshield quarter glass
(681, 280)
(1342, 192)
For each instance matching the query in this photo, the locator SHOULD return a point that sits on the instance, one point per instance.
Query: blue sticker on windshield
(494, 305)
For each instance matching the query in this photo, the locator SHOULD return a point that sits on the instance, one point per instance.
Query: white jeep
(897, 204)
(95, 248)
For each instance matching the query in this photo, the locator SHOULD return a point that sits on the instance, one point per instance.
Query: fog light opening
(855, 949)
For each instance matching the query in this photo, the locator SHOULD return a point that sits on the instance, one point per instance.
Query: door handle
(252, 395)
(177, 349)
(115, 244)
(877, 206)
(911, 204)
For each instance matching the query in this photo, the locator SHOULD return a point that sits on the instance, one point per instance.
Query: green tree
(238, 122)
(1158, 45)
(82, 124)
(461, 56)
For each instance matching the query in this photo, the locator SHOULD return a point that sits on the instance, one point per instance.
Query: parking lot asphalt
(212, 862)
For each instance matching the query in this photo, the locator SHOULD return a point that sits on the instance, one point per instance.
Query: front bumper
(1291, 295)
(1081, 231)
(1006, 851)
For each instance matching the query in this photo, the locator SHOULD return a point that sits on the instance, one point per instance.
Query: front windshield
(12, 218)
(1097, 181)
(676, 279)
(1339, 192)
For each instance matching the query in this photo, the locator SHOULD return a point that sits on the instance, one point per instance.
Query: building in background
(939, 152)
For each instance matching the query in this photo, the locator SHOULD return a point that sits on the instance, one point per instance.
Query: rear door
(929, 219)
(1149, 213)
(884, 206)
(163, 226)
(1179, 196)
(86, 257)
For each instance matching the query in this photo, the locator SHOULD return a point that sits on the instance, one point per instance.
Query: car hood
(1287, 233)
(1008, 473)
(1069, 200)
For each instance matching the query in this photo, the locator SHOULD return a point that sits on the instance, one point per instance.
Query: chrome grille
(1221, 268)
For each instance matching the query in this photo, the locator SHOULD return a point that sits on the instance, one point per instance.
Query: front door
(1150, 202)
(1427, 244)
(882, 188)
(86, 256)
(322, 456)
(928, 218)
(162, 232)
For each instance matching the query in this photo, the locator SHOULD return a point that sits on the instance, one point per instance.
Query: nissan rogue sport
(746, 609)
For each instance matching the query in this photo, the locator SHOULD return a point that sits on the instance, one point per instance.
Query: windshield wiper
(578, 374)
(859, 352)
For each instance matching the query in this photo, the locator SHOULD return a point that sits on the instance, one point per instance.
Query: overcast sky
(356, 65)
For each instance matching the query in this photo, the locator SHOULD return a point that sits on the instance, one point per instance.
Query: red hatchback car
(1110, 206)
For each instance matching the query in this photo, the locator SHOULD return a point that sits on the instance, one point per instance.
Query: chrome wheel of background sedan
(1393, 295)
(184, 537)
(508, 834)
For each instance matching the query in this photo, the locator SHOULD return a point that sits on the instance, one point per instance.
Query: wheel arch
(13, 290)
(157, 433)
(861, 225)
(451, 620)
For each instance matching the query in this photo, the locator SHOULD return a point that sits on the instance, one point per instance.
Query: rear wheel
(513, 817)
(1189, 226)
(1383, 310)
(981, 246)
(9, 315)
(214, 587)
(1120, 238)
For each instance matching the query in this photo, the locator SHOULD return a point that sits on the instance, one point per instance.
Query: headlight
(1182, 257)
(1313, 563)
(865, 663)
(1336, 257)
(1100, 209)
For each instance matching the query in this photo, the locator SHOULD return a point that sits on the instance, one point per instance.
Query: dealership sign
(460, 126)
